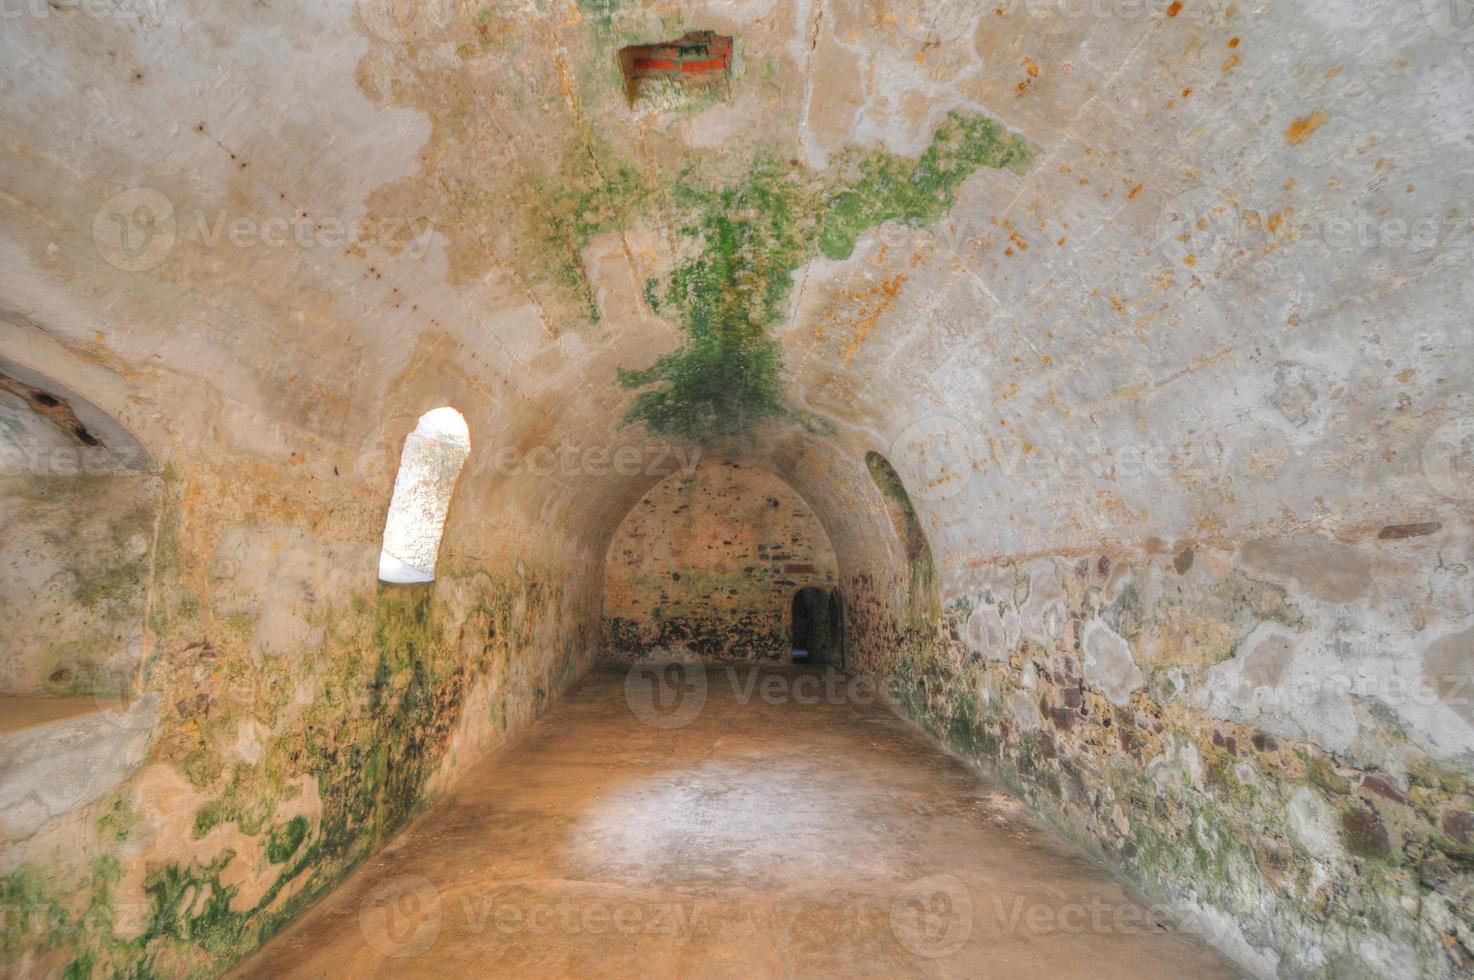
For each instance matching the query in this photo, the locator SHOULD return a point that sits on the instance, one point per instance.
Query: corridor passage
(737, 822)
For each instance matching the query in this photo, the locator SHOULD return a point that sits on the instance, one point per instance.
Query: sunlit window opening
(433, 455)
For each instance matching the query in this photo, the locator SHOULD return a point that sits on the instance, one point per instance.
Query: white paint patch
(1109, 666)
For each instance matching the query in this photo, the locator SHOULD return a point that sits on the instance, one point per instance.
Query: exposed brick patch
(697, 61)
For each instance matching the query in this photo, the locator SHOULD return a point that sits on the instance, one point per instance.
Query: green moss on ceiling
(744, 243)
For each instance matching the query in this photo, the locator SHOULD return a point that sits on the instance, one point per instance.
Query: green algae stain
(884, 187)
(285, 839)
(745, 242)
(593, 191)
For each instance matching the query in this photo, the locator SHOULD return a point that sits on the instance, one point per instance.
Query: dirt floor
(782, 822)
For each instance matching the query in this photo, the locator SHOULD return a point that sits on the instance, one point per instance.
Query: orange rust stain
(1190, 260)
(1299, 130)
(1187, 91)
(1231, 64)
(1134, 191)
(1175, 8)
(1118, 305)
(868, 306)
(1233, 42)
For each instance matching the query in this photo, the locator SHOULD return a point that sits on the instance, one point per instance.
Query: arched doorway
(836, 628)
(809, 626)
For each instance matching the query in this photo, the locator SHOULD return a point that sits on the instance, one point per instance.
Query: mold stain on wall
(274, 772)
(745, 241)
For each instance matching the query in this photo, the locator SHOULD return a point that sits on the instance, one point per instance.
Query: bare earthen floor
(766, 838)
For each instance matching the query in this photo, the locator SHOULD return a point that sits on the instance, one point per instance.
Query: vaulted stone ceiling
(1225, 291)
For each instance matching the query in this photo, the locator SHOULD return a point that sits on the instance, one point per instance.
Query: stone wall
(1273, 738)
(292, 712)
(711, 560)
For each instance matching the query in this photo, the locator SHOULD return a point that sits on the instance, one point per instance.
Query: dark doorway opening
(837, 653)
(810, 626)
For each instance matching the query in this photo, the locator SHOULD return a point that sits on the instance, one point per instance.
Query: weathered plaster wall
(1271, 737)
(1219, 299)
(292, 713)
(74, 573)
(79, 504)
(710, 560)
